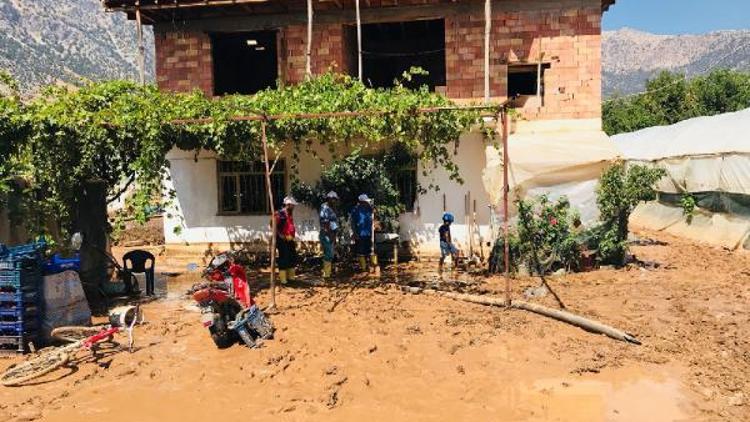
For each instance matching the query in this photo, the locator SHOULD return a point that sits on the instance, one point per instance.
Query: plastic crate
(13, 344)
(8, 299)
(17, 328)
(29, 279)
(57, 264)
(22, 313)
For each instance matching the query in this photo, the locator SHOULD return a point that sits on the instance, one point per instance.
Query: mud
(385, 355)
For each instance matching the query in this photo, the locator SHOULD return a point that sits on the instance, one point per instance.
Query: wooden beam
(487, 27)
(141, 48)
(308, 46)
(344, 16)
(178, 5)
(359, 40)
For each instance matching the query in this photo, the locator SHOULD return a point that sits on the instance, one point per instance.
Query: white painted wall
(196, 207)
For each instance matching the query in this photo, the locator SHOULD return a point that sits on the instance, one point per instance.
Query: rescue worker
(285, 244)
(329, 225)
(362, 231)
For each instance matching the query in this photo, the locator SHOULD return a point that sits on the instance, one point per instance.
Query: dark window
(390, 49)
(522, 79)
(406, 183)
(245, 62)
(242, 186)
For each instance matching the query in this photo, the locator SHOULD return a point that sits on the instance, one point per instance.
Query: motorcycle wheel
(222, 336)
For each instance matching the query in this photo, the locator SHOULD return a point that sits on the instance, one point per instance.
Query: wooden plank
(346, 16)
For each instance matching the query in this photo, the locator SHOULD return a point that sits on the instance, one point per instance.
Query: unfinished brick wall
(183, 61)
(327, 50)
(569, 32)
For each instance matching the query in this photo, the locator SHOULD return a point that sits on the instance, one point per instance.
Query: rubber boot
(326, 270)
(374, 267)
(282, 276)
(290, 274)
(362, 264)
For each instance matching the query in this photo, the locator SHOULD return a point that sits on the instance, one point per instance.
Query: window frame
(279, 169)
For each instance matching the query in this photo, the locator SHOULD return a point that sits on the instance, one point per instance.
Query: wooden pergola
(499, 112)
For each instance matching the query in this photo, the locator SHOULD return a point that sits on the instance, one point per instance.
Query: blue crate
(19, 278)
(18, 299)
(15, 344)
(23, 313)
(17, 328)
(33, 248)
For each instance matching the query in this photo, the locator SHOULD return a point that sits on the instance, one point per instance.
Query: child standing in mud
(446, 241)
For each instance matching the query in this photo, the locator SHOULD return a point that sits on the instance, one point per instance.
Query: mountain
(629, 57)
(46, 41)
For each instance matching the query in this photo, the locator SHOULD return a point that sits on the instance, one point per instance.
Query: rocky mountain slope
(630, 57)
(45, 41)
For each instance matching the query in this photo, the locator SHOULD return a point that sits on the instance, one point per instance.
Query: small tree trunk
(91, 221)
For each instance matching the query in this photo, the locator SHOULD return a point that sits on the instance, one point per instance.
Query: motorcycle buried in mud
(227, 307)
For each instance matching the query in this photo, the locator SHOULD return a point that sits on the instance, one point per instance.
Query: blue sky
(678, 16)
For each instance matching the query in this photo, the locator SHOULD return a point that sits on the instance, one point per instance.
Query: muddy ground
(385, 355)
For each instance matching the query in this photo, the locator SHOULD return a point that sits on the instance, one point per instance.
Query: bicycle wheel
(74, 333)
(34, 368)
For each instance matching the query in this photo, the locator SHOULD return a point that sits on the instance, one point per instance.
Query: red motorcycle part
(241, 288)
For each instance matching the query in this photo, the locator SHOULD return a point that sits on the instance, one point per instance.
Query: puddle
(621, 397)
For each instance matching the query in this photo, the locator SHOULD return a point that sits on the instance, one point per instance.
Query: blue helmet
(448, 217)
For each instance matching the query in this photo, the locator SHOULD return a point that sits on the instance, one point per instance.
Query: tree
(670, 98)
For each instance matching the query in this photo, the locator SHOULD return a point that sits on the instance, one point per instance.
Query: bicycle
(80, 338)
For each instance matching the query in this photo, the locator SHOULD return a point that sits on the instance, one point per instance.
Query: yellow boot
(290, 274)
(362, 264)
(326, 269)
(282, 276)
(374, 268)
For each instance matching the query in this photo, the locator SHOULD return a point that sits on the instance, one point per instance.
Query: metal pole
(487, 27)
(264, 140)
(504, 116)
(141, 47)
(308, 52)
(359, 41)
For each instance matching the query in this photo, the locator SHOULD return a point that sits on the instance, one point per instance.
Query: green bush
(544, 238)
(350, 177)
(620, 189)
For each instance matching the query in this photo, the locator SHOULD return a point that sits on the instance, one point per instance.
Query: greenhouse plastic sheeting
(722, 134)
(716, 229)
(707, 157)
(700, 155)
(555, 163)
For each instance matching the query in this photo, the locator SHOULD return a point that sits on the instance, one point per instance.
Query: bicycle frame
(96, 338)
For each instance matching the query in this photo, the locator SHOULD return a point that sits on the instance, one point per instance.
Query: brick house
(546, 52)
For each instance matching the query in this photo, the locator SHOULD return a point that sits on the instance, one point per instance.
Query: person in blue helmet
(446, 241)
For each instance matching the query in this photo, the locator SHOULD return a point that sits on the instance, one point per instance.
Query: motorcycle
(227, 307)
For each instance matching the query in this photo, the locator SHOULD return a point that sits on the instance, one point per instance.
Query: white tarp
(701, 155)
(722, 134)
(556, 163)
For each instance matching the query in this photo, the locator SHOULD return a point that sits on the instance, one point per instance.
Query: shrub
(620, 189)
(350, 177)
(544, 239)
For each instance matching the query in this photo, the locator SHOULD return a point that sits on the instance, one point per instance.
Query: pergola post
(264, 141)
(141, 47)
(359, 41)
(506, 189)
(487, 27)
(308, 51)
